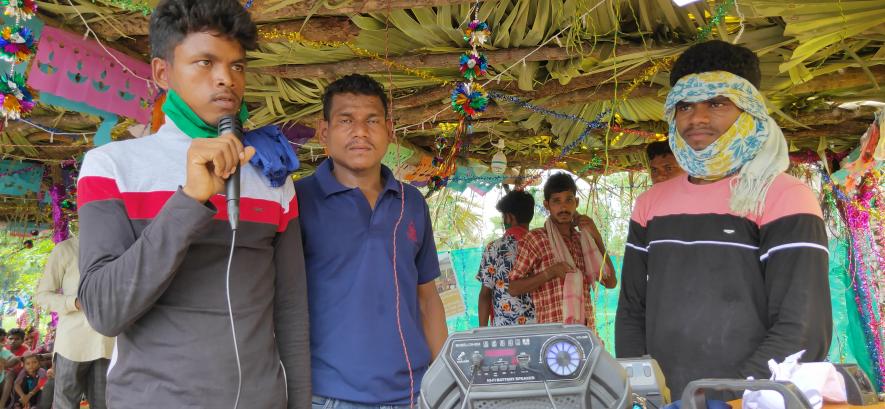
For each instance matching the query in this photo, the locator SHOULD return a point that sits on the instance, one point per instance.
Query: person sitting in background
(662, 165)
(15, 342)
(517, 209)
(7, 360)
(29, 383)
(32, 338)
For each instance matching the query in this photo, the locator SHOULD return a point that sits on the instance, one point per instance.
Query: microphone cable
(230, 312)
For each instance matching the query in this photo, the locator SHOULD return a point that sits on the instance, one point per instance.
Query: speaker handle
(693, 396)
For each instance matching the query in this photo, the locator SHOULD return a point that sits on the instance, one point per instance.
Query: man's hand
(210, 161)
(586, 224)
(77, 304)
(558, 270)
(50, 373)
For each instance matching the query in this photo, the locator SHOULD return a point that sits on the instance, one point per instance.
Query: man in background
(662, 165)
(82, 355)
(517, 209)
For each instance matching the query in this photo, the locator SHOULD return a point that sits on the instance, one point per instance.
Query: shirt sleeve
(795, 261)
(47, 294)
(122, 275)
(527, 259)
(484, 276)
(630, 317)
(426, 260)
(291, 321)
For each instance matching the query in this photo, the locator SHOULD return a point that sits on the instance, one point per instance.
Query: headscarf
(753, 149)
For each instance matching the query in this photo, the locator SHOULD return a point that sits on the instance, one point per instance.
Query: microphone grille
(229, 123)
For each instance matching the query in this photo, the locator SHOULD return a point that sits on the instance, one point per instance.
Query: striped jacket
(153, 265)
(710, 294)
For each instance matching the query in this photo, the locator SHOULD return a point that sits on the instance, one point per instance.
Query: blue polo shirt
(356, 352)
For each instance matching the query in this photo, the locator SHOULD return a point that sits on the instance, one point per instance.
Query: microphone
(231, 124)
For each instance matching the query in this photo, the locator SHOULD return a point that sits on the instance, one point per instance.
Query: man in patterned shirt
(517, 209)
(548, 274)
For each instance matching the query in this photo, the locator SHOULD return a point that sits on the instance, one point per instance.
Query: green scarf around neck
(187, 120)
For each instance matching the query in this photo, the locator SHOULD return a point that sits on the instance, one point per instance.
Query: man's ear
(322, 132)
(508, 219)
(160, 71)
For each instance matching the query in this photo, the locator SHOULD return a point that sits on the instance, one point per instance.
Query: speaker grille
(562, 402)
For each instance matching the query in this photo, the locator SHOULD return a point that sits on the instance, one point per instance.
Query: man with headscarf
(725, 268)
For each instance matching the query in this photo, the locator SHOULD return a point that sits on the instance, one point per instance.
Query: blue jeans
(320, 402)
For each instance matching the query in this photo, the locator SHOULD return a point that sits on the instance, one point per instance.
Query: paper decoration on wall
(485, 184)
(448, 288)
(400, 172)
(19, 178)
(463, 175)
(499, 161)
(391, 160)
(79, 70)
(423, 170)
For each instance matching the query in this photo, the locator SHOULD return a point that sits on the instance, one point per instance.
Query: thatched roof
(815, 55)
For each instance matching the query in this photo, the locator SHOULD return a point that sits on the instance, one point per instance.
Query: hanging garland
(569, 117)
(59, 219)
(20, 9)
(473, 65)
(469, 99)
(718, 17)
(275, 34)
(856, 214)
(17, 44)
(16, 100)
(477, 33)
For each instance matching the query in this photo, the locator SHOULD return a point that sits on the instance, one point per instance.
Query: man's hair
(659, 148)
(518, 203)
(173, 20)
(560, 182)
(353, 84)
(2, 332)
(17, 332)
(716, 55)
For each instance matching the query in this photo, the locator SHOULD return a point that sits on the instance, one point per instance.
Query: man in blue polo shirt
(376, 320)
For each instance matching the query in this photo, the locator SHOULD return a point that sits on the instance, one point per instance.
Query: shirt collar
(517, 232)
(330, 186)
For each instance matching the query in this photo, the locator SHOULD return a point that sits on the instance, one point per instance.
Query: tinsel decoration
(477, 33)
(718, 17)
(276, 34)
(469, 100)
(19, 9)
(16, 100)
(865, 257)
(59, 218)
(130, 5)
(473, 65)
(17, 44)
(596, 124)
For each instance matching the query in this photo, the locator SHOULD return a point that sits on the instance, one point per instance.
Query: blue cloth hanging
(274, 155)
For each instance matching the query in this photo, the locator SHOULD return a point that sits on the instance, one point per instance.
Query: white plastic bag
(819, 381)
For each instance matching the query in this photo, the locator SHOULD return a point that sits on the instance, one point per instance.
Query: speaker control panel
(521, 358)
